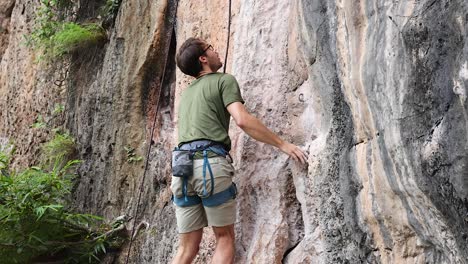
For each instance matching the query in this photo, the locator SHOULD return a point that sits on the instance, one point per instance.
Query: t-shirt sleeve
(230, 91)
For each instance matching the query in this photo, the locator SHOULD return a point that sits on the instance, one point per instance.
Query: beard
(216, 65)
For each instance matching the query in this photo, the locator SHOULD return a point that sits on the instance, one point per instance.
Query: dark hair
(187, 57)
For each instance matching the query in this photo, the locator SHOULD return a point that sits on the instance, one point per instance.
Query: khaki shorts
(195, 217)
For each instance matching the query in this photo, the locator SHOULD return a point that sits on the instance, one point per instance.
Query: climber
(204, 194)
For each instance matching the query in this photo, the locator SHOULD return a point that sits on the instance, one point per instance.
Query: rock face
(375, 91)
(6, 7)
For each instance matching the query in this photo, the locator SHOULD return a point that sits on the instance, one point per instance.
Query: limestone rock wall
(6, 8)
(27, 88)
(375, 91)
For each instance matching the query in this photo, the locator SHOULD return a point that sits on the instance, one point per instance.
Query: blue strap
(186, 201)
(221, 197)
(219, 150)
(211, 177)
(184, 188)
(206, 164)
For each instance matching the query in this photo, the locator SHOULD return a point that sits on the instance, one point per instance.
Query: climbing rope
(228, 37)
(158, 98)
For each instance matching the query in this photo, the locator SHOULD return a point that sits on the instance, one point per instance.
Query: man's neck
(204, 72)
(206, 69)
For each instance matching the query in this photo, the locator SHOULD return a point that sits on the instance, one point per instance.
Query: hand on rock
(294, 151)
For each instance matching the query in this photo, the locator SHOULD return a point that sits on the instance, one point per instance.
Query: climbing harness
(182, 158)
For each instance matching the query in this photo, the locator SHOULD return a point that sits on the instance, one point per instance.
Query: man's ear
(203, 59)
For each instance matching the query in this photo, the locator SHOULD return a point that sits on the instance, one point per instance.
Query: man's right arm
(257, 130)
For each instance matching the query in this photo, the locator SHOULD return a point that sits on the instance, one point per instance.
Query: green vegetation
(67, 38)
(39, 123)
(55, 37)
(37, 223)
(131, 156)
(5, 158)
(61, 148)
(59, 108)
(111, 8)
(71, 37)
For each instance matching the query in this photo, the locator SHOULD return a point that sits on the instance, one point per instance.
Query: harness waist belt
(204, 144)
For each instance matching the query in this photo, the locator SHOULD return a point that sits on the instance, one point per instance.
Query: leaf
(94, 256)
(70, 164)
(36, 238)
(35, 168)
(128, 149)
(71, 234)
(58, 109)
(39, 123)
(90, 216)
(41, 210)
(102, 247)
(25, 197)
(54, 207)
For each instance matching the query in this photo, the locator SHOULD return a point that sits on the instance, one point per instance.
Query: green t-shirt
(202, 108)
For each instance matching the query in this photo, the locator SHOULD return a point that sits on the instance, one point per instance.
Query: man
(204, 112)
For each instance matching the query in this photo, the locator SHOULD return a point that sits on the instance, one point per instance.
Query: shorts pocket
(176, 186)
